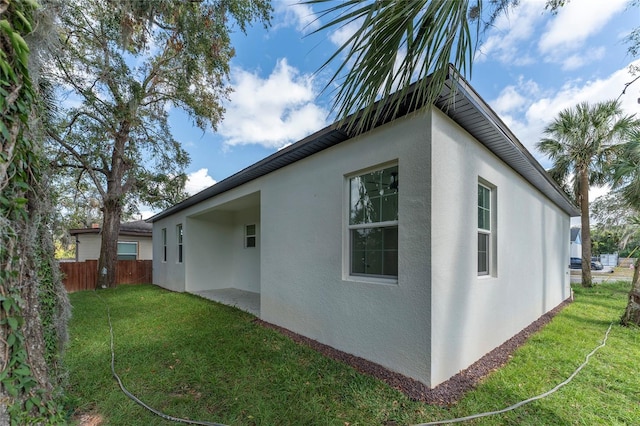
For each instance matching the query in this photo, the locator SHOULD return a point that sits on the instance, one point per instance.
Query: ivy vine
(26, 402)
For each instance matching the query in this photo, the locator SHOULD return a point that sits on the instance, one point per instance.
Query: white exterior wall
(218, 256)
(305, 251)
(214, 255)
(89, 246)
(576, 249)
(168, 274)
(300, 264)
(438, 317)
(472, 315)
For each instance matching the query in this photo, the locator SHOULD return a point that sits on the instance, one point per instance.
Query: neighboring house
(134, 242)
(576, 243)
(420, 245)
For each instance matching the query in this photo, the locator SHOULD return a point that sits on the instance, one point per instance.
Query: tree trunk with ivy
(33, 304)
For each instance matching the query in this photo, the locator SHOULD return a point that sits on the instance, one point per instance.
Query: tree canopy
(121, 66)
(582, 142)
(399, 43)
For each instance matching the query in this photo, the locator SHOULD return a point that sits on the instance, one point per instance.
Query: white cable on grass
(136, 399)
(526, 401)
(439, 422)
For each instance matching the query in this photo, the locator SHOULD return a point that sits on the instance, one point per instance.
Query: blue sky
(530, 65)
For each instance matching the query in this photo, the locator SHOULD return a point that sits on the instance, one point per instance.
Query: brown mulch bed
(446, 393)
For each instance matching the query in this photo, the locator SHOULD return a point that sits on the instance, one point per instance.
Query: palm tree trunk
(586, 230)
(632, 312)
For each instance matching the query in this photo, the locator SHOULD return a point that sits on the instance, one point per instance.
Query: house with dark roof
(421, 244)
(134, 241)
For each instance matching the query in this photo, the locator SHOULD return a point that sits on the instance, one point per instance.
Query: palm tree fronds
(397, 43)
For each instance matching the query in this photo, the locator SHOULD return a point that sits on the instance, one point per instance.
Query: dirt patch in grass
(446, 393)
(89, 420)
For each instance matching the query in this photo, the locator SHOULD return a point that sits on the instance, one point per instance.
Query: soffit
(458, 100)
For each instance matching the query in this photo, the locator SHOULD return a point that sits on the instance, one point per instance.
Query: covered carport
(223, 253)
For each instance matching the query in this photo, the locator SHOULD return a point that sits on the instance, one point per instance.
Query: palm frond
(397, 43)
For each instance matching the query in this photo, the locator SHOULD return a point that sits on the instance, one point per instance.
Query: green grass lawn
(196, 359)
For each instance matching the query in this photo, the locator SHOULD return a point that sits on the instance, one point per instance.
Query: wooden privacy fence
(84, 275)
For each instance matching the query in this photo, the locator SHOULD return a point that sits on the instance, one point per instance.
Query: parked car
(576, 263)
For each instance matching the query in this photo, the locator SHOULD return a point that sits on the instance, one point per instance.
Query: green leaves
(21, 50)
(584, 142)
(396, 43)
(20, 167)
(128, 62)
(587, 137)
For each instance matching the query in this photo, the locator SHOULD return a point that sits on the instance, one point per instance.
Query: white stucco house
(420, 245)
(134, 241)
(576, 243)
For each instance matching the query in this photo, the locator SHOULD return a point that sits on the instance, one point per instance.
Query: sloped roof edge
(498, 138)
(135, 228)
(458, 100)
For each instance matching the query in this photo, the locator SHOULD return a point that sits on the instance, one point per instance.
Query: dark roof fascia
(503, 140)
(527, 166)
(84, 231)
(312, 144)
(135, 228)
(329, 136)
(97, 231)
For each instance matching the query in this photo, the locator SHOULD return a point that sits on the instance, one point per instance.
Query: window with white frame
(164, 244)
(486, 229)
(250, 236)
(373, 223)
(179, 236)
(127, 250)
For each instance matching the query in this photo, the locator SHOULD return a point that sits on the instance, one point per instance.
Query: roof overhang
(457, 99)
(464, 106)
(98, 231)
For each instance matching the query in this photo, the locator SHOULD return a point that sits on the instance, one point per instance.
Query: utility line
(526, 401)
(135, 398)
(439, 422)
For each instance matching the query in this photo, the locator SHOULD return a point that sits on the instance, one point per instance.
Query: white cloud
(527, 109)
(271, 111)
(578, 60)
(510, 30)
(575, 22)
(510, 100)
(598, 191)
(513, 36)
(198, 180)
(297, 15)
(341, 36)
